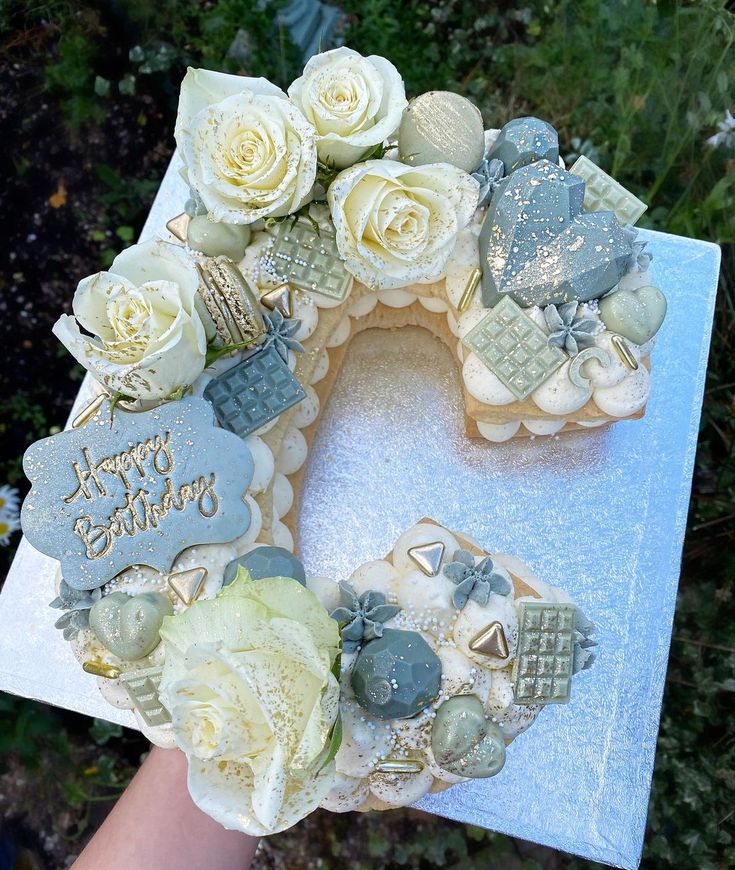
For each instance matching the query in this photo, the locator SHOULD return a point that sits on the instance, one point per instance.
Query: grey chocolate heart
(537, 246)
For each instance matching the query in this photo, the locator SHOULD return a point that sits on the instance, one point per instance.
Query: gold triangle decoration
(178, 226)
(188, 585)
(279, 298)
(428, 557)
(491, 641)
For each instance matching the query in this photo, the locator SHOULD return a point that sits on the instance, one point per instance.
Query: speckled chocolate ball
(396, 675)
(442, 127)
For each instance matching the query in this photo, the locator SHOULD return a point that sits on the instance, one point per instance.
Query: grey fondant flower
(640, 258)
(583, 643)
(361, 618)
(489, 174)
(77, 605)
(568, 331)
(475, 581)
(280, 333)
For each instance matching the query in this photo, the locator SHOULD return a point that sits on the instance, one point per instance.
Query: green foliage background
(638, 87)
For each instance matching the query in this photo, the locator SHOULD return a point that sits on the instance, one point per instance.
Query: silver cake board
(601, 513)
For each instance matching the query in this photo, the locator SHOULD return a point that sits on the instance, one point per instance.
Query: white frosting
(307, 409)
(305, 311)
(483, 384)
(321, 368)
(544, 427)
(431, 303)
(558, 395)
(591, 424)
(469, 320)
(460, 675)
(282, 494)
(325, 589)
(341, 333)
(292, 454)
(615, 372)
(512, 718)
(282, 536)
(348, 794)
(213, 557)
(498, 432)
(402, 789)
(264, 464)
(464, 259)
(633, 281)
(474, 618)
(362, 306)
(537, 315)
(245, 541)
(627, 397)
(422, 533)
(266, 427)
(379, 575)
(396, 298)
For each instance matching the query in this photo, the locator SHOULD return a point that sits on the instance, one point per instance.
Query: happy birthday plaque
(135, 489)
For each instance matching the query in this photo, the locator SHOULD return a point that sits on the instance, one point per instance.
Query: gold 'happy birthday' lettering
(140, 514)
(140, 511)
(120, 465)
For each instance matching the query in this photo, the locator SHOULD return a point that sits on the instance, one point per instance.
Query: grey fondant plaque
(135, 488)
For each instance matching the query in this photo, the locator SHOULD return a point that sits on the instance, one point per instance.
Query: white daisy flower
(726, 136)
(9, 513)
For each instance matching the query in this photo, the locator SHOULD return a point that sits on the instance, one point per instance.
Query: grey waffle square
(142, 686)
(308, 260)
(253, 392)
(603, 193)
(545, 657)
(514, 348)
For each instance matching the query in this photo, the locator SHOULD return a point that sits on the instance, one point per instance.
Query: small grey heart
(129, 626)
(635, 314)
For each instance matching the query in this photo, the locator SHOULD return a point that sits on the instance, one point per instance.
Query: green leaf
(101, 731)
(214, 352)
(126, 85)
(101, 87)
(335, 741)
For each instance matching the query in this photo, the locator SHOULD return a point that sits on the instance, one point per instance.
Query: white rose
(146, 339)
(396, 225)
(248, 682)
(248, 152)
(354, 102)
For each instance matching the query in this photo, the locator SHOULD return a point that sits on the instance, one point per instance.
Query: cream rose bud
(248, 152)
(354, 102)
(396, 225)
(142, 335)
